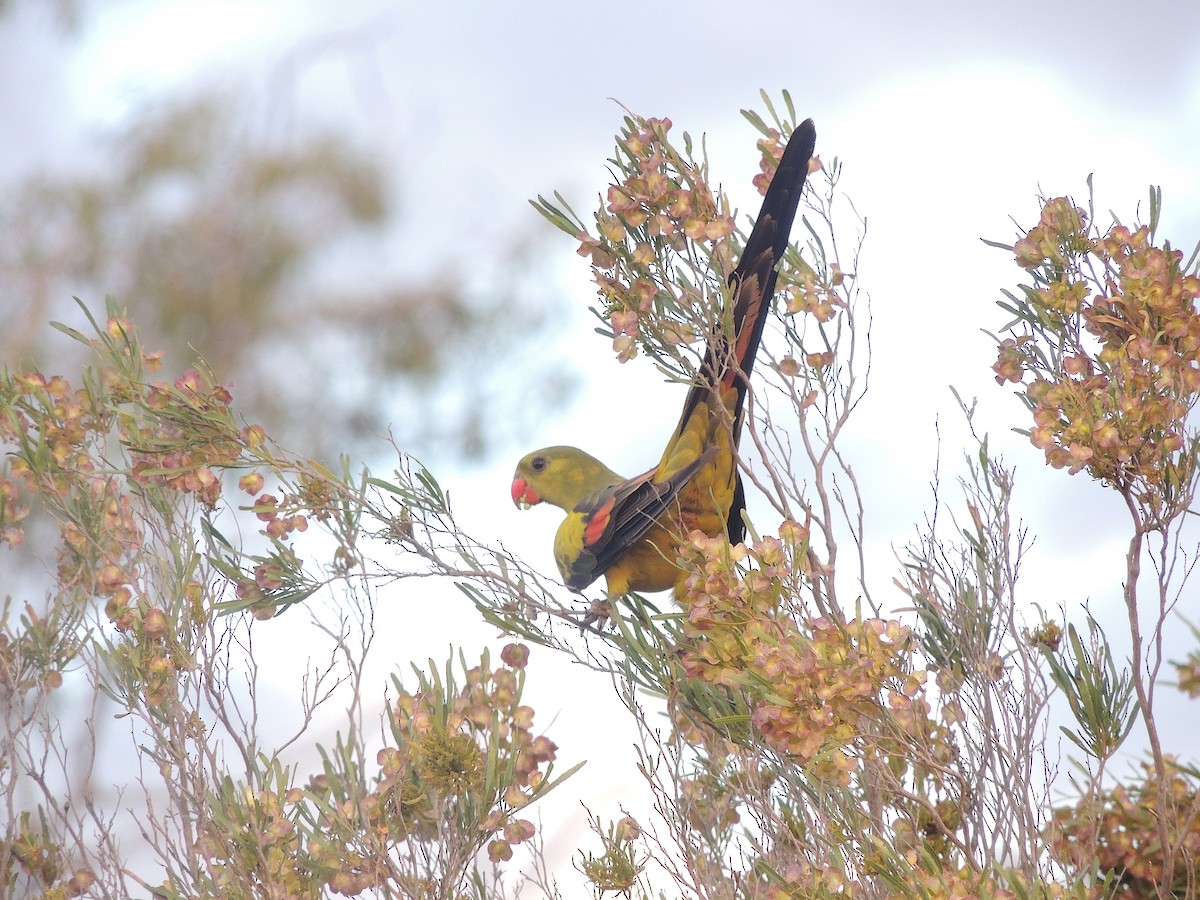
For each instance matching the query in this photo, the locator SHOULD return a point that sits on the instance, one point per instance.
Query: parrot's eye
(538, 463)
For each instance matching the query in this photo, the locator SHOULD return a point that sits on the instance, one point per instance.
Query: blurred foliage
(1119, 831)
(129, 467)
(65, 14)
(259, 257)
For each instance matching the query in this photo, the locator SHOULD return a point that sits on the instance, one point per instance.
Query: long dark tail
(753, 280)
(753, 283)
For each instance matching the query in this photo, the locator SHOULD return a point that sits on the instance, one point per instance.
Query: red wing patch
(598, 523)
(749, 333)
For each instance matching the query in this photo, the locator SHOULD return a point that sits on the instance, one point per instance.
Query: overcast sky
(949, 117)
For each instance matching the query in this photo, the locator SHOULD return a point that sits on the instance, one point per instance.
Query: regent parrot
(629, 530)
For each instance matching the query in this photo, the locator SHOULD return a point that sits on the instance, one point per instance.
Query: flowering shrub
(1105, 344)
(816, 741)
(1119, 831)
(661, 209)
(131, 476)
(815, 684)
(1112, 352)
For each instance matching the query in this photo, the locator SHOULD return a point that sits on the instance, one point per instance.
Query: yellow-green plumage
(629, 530)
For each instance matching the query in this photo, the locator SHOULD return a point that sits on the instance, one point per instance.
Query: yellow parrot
(630, 530)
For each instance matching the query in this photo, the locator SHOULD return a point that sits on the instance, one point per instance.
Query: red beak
(523, 495)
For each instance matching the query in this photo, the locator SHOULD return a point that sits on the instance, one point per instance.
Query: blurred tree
(65, 14)
(260, 258)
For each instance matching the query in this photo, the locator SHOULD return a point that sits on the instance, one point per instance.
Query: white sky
(950, 117)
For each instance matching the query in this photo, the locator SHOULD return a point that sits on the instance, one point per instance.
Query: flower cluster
(1112, 342)
(1188, 673)
(175, 438)
(153, 656)
(99, 549)
(708, 798)
(816, 297)
(30, 849)
(771, 149)
(730, 615)
(254, 831)
(617, 869)
(805, 879)
(280, 517)
(267, 584)
(53, 427)
(643, 228)
(1118, 832)
(60, 436)
(812, 692)
(441, 758)
(826, 688)
(190, 436)
(994, 883)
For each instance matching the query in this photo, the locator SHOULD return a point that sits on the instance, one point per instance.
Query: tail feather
(729, 365)
(753, 281)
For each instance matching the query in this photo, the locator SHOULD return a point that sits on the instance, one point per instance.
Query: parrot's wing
(619, 516)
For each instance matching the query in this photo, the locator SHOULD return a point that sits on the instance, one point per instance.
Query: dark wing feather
(622, 515)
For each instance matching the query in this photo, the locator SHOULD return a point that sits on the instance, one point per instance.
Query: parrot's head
(530, 470)
(562, 476)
